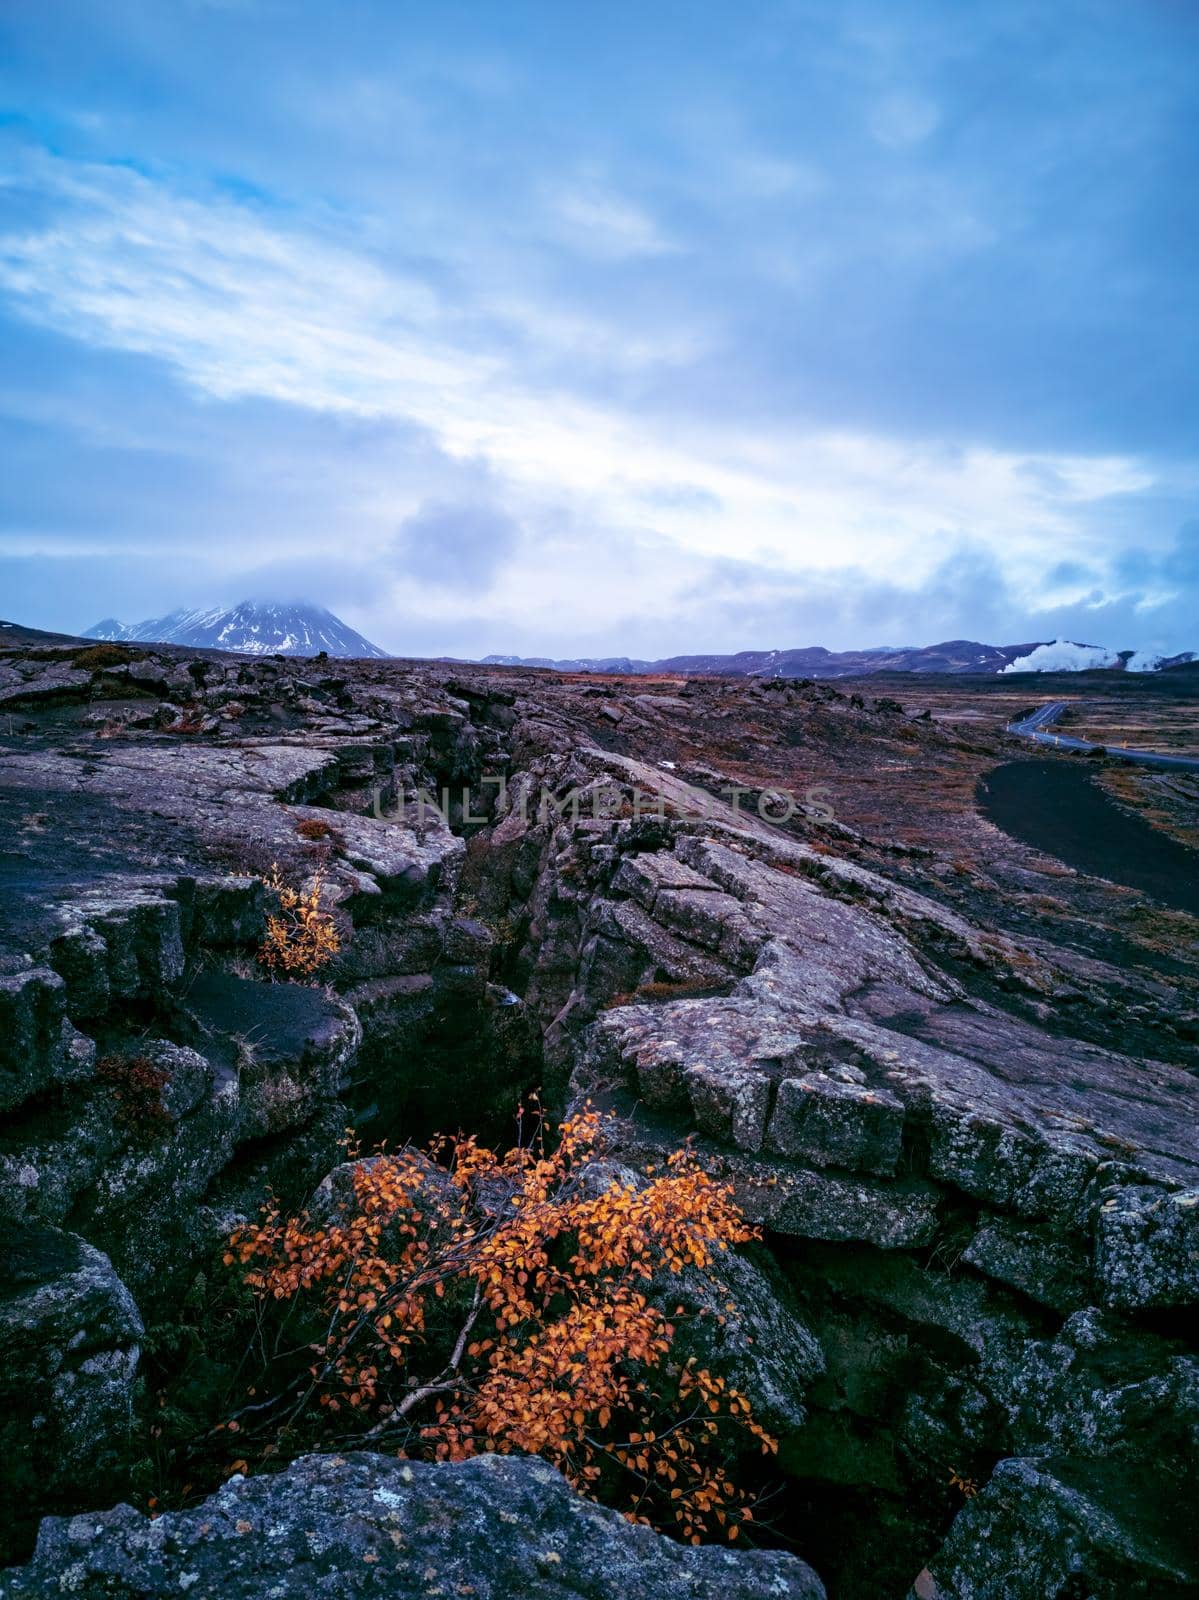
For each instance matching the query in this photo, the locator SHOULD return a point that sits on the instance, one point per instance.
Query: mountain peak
(252, 627)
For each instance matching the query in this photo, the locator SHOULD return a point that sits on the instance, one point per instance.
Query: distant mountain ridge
(814, 661)
(810, 661)
(258, 628)
(299, 628)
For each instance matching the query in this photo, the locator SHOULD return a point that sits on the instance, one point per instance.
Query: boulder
(495, 1528)
(1147, 1247)
(38, 1046)
(70, 1334)
(1042, 1530)
(740, 1320)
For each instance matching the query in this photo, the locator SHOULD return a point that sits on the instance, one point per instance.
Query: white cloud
(251, 304)
(900, 120)
(602, 223)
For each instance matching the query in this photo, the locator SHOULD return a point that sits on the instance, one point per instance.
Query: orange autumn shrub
(301, 938)
(502, 1303)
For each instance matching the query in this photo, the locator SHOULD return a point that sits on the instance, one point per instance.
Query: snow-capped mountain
(254, 628)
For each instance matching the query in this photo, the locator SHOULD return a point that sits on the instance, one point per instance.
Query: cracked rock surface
(954, 1082)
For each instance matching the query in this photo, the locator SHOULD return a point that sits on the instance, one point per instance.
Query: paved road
(1038, 725)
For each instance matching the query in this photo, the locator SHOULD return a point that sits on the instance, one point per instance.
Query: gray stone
(1098, 1390)
(1147, 1247)
(70, 1334)
(1041, 1529)
(33, 1044)
(496, 1528)
(740, 1320)
(1048, 1267)
(56, 681)
(727, 1103)
(817, 1118)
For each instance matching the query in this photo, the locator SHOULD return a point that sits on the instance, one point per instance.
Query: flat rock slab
(844, 1059)
(289, 1046)
(1109, 1109)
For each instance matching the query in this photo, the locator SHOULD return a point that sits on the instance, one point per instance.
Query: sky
(605, 328)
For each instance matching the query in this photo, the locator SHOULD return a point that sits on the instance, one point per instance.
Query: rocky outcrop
(964, 1124)
(155, 1085)
(498, 1528)
(38, 1045)
(944, 1179)
(1046, 1527)
(844, 1062)
(70, 1335)
(25, 683)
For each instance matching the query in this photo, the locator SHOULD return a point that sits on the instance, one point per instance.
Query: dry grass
(99, 656)
(650, 992)
(318, 828)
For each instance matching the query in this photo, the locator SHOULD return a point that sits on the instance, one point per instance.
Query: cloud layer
(870, 331)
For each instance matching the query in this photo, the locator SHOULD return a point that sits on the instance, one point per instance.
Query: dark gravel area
(1060, 809)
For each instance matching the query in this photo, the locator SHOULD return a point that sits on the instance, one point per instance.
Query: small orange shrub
(531, 1288)
(301, 938)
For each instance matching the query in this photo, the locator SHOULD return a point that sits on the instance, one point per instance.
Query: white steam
(1064, 656)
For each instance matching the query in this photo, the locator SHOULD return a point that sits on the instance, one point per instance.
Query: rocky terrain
(952, 1078)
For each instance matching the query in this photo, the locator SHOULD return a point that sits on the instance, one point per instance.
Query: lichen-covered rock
(38, 1046)
(118, 946)
(1049, 1267)
(739, 1319)
(57, 682)
(69, 1337)
(495, 1528)
(151, 1116)
(820, 1119)
(849, 1069)
(287, 1047)
(1147, 1247)
(1099, 1389)
(1044, 1529)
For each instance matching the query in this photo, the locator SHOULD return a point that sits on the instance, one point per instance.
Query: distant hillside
(251, 628)
(813, 661)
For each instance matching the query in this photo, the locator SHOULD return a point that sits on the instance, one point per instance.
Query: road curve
(1038, 726)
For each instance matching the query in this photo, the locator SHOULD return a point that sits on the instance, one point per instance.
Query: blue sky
(560, 328)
